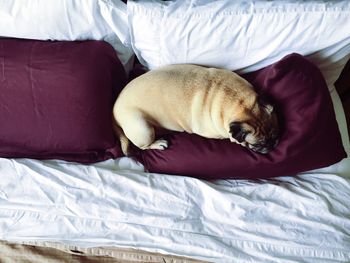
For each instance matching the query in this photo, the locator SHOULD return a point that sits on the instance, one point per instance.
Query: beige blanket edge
(52, 252)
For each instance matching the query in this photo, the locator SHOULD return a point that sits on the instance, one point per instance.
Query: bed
(116, 209)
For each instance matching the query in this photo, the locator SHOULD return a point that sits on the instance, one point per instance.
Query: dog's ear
(237, 131)
(266, 103)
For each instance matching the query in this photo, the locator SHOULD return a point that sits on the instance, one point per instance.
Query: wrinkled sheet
(115, 203)
(306, 217)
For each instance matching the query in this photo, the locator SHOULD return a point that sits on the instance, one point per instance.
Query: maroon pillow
(310, 137)
(56, 99)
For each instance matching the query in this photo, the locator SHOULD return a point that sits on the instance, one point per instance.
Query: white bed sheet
(114, 203)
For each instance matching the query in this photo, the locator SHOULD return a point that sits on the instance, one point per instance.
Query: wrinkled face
(259, 130)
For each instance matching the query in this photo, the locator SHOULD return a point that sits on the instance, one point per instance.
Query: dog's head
(258, 130)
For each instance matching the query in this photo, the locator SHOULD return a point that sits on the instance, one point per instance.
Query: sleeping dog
(210, 102)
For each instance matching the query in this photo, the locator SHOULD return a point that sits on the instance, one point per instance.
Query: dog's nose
(264, 150)
(271, 143)
(266, 147)
(259, 149)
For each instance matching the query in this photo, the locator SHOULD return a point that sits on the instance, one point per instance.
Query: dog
(211, 102)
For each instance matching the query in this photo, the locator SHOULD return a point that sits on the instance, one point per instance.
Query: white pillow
(240, 35)
(68, 20)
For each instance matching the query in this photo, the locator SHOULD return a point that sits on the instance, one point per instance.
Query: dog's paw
(160, 144)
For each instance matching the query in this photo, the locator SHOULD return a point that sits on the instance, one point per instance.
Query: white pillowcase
(240, 35)
(68, 20)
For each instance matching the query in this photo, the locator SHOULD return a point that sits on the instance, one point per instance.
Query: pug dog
(211, 102)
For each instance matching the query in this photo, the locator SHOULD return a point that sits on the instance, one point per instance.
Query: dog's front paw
(160, 144)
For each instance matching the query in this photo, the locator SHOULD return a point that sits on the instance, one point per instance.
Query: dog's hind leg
(141, 133)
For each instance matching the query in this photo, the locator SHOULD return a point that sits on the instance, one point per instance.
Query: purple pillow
(56, 99)
(310, 137)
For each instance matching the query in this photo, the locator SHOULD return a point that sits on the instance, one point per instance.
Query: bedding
(243, 36)
(49, 252)
(68, 20)
(115, 203)
(309, 139)
(57, 98)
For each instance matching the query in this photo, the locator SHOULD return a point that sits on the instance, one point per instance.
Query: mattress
(302, 218)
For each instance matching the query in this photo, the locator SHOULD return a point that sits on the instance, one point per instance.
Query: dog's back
(180, 97)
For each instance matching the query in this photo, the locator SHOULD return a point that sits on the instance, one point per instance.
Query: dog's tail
(124, 141)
